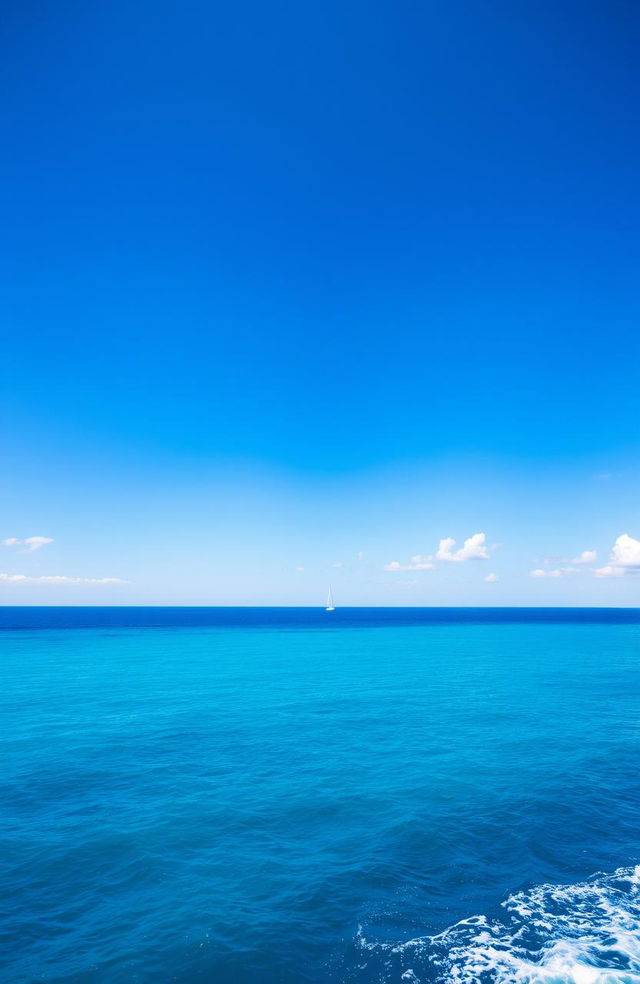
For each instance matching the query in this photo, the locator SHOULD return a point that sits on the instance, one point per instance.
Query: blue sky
(301, 285)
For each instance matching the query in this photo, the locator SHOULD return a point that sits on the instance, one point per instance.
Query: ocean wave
(585, 933)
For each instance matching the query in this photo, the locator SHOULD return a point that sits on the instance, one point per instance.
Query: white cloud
(586, 557)
(624, 558)
(473, 549)
(60, 579)
(35, 542)
(300, 569)
(360, 556)
(420, 563)
(492, 578)
(554, 572)
(609, 571)
(338, 563)
(417, 563)
(626, 552)
(31, 542)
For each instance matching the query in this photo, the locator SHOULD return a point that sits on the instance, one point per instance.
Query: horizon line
(356, 607)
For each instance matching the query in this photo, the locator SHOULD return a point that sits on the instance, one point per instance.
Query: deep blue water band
(184, 617)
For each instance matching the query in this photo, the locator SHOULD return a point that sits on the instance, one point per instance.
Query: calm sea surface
(251, 796)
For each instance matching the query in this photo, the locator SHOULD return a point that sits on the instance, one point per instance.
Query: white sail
(330, 605)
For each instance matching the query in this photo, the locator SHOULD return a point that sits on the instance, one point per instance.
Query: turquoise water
(289, 796)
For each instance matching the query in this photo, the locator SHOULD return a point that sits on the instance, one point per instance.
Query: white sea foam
(586, 933)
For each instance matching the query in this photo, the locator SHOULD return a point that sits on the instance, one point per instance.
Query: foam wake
(587, 933)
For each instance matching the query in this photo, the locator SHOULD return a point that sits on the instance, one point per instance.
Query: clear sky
(294, 285)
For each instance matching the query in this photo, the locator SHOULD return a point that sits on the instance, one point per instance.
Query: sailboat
(330, 605)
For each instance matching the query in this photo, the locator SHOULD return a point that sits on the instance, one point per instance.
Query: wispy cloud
(474, 548)
(624, 558)
(59, 579)
(586, 557)
(417, 563)
(492, 578)
(555, 572)
(609, 570)
(35, 542)
(31, 543)
(300, 568)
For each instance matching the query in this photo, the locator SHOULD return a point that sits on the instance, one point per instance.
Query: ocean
(252, 796)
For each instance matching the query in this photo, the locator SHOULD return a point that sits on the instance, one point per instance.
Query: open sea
(280, 796)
